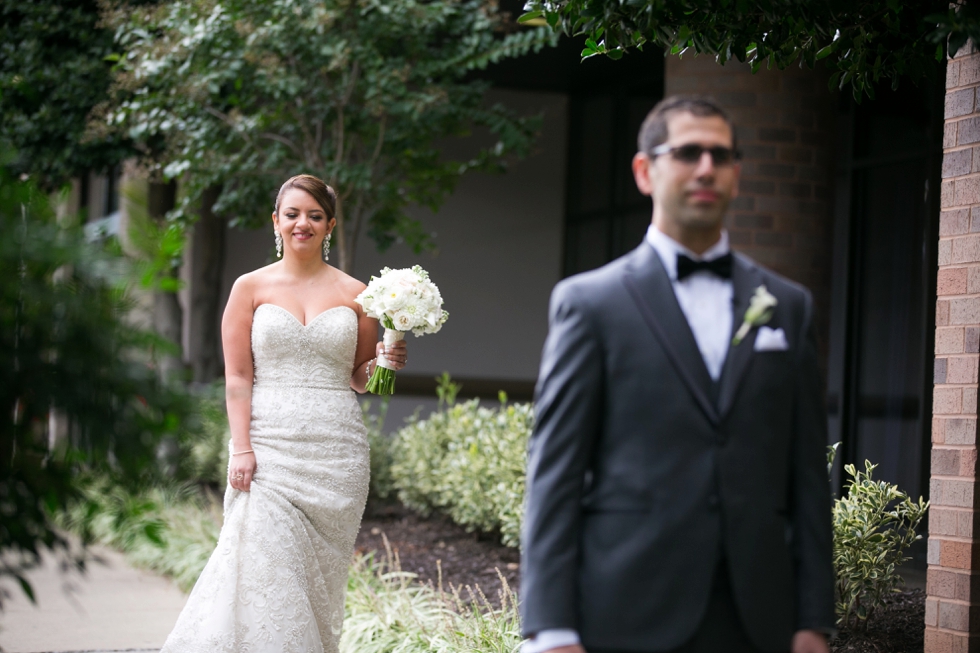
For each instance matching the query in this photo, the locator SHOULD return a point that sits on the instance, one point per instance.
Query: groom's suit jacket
(643, 472)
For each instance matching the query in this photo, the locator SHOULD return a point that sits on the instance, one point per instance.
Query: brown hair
(325, 196)
(654, 129)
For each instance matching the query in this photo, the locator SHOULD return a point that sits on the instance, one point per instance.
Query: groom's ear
(641, 172)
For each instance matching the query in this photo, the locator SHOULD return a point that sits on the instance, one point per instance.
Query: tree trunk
(207, 265)
(168, 316)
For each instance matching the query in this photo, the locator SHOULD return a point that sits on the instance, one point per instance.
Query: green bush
(469, 462)
(874, 524)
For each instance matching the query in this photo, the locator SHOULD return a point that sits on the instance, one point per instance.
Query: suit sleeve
(567, 422)
(811, 495)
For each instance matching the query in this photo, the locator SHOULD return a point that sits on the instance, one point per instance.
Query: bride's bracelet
(367, 368)
(238, 453)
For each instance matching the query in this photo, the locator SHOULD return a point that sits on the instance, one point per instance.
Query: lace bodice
(319, 355)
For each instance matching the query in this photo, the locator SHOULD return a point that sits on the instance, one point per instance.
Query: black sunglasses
(692, 153)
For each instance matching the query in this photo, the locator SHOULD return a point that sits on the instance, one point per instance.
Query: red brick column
(953, 585)
(783, 217)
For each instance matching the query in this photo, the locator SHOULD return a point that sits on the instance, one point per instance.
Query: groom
(678, 497)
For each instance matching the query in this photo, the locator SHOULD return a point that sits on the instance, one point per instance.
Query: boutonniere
(759, 312)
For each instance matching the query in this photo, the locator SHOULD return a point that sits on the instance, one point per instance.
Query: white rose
(403, 320)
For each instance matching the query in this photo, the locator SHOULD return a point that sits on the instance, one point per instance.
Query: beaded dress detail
(276, 581)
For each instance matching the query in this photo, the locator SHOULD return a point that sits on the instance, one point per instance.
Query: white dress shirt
(706, 301)
(705, 298)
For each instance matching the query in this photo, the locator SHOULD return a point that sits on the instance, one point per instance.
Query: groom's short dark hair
(654, 129)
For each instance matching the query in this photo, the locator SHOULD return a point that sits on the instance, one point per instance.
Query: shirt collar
(668, 249)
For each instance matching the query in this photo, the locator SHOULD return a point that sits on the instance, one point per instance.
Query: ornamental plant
(874, 525)
(468, 461)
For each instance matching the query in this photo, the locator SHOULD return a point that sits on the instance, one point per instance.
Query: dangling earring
(278, 244)
(326, 248)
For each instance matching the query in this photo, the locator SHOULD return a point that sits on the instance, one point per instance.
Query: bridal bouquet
(402, 300)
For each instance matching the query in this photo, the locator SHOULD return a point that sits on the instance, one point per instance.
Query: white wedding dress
(276, 581)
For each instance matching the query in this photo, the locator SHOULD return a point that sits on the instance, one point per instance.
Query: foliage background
(862, 41)
(77, 382)
(242, 95)
(53, 71)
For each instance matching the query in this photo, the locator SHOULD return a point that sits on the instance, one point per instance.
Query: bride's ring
(238, 477)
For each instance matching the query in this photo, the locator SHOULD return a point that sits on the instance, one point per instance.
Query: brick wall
(953, 585)
(783, 217)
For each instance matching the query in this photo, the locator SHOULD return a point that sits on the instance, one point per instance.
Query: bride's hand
(241, 471)
(397, 354)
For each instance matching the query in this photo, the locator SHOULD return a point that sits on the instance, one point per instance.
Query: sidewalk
(113, 607)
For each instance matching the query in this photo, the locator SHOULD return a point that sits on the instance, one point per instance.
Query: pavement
(111, 608)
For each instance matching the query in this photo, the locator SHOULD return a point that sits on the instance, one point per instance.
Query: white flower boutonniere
(759, 312)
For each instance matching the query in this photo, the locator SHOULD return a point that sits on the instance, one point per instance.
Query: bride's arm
(236, 336)
(367, 350)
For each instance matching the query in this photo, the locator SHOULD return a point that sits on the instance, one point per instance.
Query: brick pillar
(953, 582)
(783, 217)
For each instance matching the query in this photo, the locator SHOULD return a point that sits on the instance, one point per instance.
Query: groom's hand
(810, 641)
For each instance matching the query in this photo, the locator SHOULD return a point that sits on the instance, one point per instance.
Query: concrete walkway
(113, 607)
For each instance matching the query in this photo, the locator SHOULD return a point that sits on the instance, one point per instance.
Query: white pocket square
(770, 340)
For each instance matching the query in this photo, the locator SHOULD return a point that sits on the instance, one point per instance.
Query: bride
(295, 344)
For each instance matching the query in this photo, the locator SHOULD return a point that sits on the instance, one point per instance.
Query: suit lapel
(745, 279)
(648, 283)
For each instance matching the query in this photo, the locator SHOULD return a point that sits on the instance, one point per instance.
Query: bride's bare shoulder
(351, 286)
(258, 277)
(252, 283)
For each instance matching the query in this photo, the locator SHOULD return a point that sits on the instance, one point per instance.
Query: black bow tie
(722, 266)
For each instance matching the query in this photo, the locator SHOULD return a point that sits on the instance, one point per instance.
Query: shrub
(469, 462)
(874, 524)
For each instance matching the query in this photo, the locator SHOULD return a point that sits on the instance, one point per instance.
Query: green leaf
(825, 52)
(529, 16)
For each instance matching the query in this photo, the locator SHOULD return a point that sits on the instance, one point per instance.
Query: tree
(66, 348)
(863, 41)
(358, 92)
(53, 71)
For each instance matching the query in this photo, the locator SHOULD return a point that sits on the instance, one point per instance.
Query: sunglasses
(692, 153)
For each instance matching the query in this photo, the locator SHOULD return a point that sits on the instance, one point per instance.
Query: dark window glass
(606, 215)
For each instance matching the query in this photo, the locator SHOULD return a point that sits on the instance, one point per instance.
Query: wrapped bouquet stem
(382, 382)
(402, 300)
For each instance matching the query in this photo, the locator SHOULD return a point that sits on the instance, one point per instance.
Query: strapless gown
(276, 581)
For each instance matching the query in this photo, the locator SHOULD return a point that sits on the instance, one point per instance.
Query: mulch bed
(899, 627)
(423, 544)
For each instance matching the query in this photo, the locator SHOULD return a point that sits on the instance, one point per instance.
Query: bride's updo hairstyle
(325, 196)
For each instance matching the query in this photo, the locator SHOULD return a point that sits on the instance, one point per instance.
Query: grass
(388, 611)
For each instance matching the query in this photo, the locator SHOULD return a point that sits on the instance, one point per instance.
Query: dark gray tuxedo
(643, 472)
